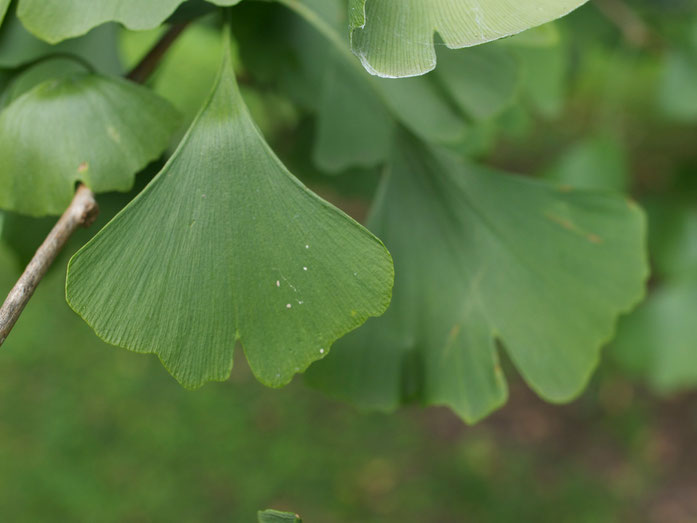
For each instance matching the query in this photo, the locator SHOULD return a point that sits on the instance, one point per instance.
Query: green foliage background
(91, 433)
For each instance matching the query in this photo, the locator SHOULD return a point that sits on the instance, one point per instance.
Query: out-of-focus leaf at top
(54, 21)
(481, 257)
(224, 245)
(356, 112)
(274, 516)
(82, 127)
(18, 46)
(396, 39)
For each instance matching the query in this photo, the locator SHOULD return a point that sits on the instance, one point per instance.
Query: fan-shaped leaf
(395, 38)
(55, 20)
(81, 127)
(274, 516)
(482, 257)
(226, 244)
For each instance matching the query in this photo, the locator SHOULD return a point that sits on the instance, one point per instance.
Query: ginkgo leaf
(482, 81)
(483, 257)
(55, 20)
(396, 38)
(80, 127)
(275, 516)
(224, 245)
(356, 113)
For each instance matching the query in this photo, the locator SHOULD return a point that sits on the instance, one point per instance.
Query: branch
(141, 72)
(630, 24)
(81, 213)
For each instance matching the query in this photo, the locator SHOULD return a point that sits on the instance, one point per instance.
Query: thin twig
(81, 213)
(630, 24)
(141, 72)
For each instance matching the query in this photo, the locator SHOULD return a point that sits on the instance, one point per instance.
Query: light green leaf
(356, 112)
(395, 38)
(274, 516)
(83, 127)
(55, 20)
(483, 257)
(225, 245)
(18, 46)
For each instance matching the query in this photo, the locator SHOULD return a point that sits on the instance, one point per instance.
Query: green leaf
(83, 127)
(225, 245)
(658, 340)
(598, 162)
(18, 46)
(55, 21)
(483, 258)
(395, 39)
(274, 516)
(4, 4)
(356, 112)
(482, 81)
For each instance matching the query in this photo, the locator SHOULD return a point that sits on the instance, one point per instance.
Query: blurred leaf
(543, 71)
(659, 340)
(356, 112)
(224, 245)
(481, 80)
(483, 257)
(83, 127)
(395, 39)
(18, 46)
(26, 80)
(598, 162)
(274, 516)
(54, 22)
(678, 94)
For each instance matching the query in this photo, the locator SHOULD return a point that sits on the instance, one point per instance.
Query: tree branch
(81, 213)
(141, 72)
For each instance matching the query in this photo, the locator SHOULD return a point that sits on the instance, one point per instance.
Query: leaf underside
(396, 38)
(483, 257)
(80, 127)
(226, 244)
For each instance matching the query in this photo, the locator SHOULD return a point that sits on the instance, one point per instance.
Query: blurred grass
(89, 432)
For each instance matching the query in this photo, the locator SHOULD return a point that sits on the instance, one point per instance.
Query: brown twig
(141, 72)
(81, 213)
(630, 24)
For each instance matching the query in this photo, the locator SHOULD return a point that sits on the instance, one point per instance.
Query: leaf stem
(141, 72)
(82, 212)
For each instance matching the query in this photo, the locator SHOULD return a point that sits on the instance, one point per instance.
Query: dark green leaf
(224, 245)
(483, 257)
(83, 127)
